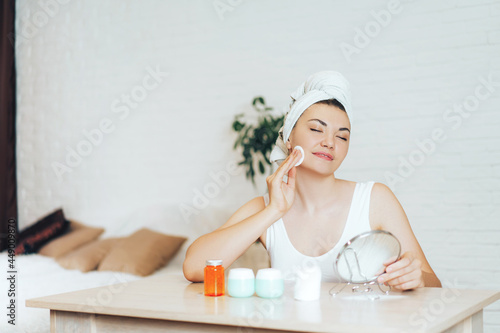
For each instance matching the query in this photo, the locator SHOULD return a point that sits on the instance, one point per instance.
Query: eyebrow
(326, 125)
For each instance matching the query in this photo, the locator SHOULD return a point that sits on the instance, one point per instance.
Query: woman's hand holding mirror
(404, 274)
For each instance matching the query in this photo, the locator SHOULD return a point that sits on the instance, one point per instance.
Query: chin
(321, 170)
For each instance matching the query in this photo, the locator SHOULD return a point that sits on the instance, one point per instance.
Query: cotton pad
(302, 157)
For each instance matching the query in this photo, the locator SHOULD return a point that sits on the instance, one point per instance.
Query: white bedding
(38, 276)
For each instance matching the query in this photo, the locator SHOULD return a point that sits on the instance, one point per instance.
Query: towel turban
(318, 87)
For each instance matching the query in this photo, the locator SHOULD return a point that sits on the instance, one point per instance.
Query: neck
(314, 191)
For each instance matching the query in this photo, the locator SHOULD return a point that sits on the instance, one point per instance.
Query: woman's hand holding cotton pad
(299, 148)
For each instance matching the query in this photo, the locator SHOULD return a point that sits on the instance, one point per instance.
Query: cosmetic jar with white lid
(240, 282)
(269, 283)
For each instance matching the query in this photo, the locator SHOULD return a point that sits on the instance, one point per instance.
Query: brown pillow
(87, 257)
(142, 253)
(78, 235)
(31, 239)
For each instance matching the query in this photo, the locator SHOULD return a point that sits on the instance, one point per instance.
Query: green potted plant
(256, 141)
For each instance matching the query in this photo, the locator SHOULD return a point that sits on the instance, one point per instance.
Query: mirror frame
(360, 236)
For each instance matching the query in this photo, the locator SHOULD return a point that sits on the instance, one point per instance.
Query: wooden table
(170, 303)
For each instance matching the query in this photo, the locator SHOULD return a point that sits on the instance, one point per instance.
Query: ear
(288, 145)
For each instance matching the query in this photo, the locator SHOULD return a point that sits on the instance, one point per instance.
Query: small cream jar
(240, 282)
(269, 283)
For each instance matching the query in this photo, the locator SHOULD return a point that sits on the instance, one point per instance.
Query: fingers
(291, 177)
(413, 284)
(391, 260)
(281, 193)
(404, 261)
(276, 179)
(287, 165)
(290, 161)
(408, 281)
(403, 274)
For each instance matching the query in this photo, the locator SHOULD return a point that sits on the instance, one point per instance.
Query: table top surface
(171, 297)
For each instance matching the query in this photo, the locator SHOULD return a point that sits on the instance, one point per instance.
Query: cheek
(297, 138)
(344, 148)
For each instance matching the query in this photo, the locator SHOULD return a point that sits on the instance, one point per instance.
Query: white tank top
(285, 257)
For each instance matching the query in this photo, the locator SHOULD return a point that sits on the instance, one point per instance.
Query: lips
(324, 156)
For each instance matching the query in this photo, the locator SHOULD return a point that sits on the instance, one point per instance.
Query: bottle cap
(213, 262)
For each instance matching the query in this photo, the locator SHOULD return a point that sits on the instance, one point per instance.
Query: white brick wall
(431, 55)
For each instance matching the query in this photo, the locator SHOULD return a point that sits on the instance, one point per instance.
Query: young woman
(309, 214)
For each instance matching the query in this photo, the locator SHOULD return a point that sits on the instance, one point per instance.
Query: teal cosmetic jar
(240, 282)
(269, 283)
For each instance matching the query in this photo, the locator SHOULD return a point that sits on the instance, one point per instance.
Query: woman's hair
(332, 102)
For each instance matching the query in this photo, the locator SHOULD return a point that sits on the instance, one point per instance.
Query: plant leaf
(262, 169)
(256, 140)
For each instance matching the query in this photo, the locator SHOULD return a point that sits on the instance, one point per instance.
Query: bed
(39, 275)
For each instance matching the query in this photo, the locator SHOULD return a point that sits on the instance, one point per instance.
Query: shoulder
(384, 206)
(381, 193)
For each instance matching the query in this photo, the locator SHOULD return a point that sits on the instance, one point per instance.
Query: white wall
(76, 59)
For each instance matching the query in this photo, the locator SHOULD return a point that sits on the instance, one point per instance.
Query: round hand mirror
(362, 258)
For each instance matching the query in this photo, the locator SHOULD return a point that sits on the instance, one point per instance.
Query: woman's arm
(229, 241)
(250, 222)
(412, 270)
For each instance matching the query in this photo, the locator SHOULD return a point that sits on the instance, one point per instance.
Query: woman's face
(323, 131)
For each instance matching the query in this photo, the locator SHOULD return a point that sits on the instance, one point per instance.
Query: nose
(328, 142)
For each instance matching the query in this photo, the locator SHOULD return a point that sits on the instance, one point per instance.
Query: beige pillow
(78, 235)
(87, 257)
(142, 253)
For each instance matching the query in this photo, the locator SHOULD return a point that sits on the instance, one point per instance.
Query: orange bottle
(214, 278)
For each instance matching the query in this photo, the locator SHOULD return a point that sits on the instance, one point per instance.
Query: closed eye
(342, 138)
(315, 130)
